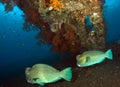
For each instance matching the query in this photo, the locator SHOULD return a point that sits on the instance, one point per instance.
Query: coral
(65, 40)
(94, 0)
(56, 4)
(5, 1)
(62, 23)
(47, 36)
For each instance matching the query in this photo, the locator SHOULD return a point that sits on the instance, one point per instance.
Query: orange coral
(93, 0)
(56, 4)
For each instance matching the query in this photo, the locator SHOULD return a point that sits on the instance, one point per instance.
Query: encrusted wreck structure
(69, 25)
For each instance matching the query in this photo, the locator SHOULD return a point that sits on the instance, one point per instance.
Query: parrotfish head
(78, 60)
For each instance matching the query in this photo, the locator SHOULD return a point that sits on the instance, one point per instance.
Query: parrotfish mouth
(78, 65)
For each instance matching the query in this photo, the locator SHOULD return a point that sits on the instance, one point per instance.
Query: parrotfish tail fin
(109, 54)
(67, 74)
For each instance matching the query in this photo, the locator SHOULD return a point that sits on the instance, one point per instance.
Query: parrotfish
(42, 73)
(90, 58)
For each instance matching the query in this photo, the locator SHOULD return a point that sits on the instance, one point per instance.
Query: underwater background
(19, 49)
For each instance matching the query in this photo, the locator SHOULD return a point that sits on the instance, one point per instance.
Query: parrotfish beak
(78, 65)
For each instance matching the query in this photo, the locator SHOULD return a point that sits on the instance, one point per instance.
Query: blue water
(112, 19)
(18, 48)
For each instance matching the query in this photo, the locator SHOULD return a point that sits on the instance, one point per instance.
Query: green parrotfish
(43, 73)
(89, 58)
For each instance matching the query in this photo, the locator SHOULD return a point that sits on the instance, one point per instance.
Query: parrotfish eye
(87, 58)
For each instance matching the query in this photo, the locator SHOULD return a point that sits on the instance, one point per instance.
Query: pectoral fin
(41, 84)
(38, 81)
